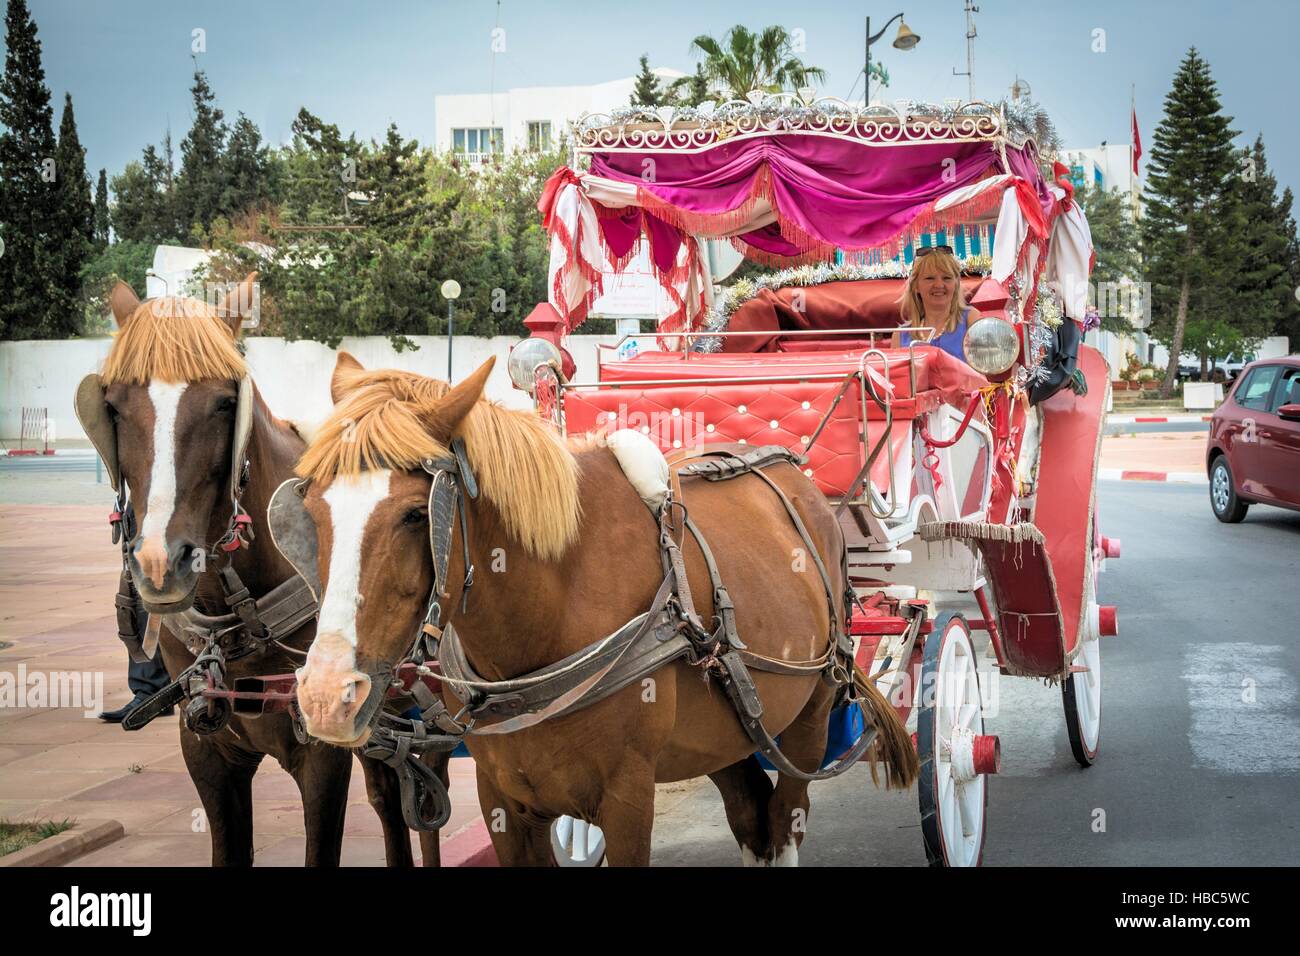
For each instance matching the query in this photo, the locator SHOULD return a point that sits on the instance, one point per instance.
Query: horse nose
(157, 561)
(331, 691)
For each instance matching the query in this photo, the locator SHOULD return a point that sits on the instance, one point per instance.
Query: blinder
(293, 532)
(97, 422)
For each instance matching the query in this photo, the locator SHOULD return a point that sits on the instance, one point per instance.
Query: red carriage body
(946, 478)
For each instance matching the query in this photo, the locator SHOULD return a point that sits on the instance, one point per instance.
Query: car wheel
(1228, 508)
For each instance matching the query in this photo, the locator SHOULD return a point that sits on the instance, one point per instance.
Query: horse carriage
(950, 478)
(790, 487)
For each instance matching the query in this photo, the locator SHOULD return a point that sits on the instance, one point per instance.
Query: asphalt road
(1200, 758)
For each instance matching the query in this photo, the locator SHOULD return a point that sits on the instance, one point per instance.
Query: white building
(482, 124)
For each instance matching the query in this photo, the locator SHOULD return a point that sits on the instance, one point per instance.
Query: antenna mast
(971, 10)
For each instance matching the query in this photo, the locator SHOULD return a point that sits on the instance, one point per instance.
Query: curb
(472, 847)
(1174, 477)
(82, 838)
(1149, 419)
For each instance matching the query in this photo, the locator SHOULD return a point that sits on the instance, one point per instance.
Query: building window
(477, 145)
(539, 136)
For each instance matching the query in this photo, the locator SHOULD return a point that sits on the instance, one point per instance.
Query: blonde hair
(911, 307)
(524, 468)
(173, 339)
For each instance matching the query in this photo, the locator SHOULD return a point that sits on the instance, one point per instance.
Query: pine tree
(101, 210)
(145, 207)
(28, 181)
(690, 90)
(1259, 294)
(1188, 199)
(201, 183)
(251, 176)
(646, 90)
(75, 222)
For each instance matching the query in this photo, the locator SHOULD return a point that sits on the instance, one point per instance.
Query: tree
(251, 174)
(146, 204)
(646, 92)
(75, 216)
(690, 90)
(28, 186)
(1259, 292)
(201, 183)
(1119, 263)
(746, 61)
(1186, 247)
(101, 210)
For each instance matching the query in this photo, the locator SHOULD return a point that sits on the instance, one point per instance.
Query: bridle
(251, 625)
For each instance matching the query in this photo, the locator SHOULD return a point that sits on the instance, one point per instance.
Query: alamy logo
(103, 909)
(84, 689)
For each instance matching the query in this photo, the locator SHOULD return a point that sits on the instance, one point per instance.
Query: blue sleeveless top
(950, 342)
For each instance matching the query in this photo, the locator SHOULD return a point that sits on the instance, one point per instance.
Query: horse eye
(227, 404)
(413, 517)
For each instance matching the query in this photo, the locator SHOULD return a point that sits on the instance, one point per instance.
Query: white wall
(293, 377)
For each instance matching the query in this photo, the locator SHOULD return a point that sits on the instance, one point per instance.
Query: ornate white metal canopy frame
(695, 129)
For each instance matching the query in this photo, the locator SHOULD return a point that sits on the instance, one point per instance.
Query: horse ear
(344, 379)
(447, 413)
(123, 301)
(240, 305)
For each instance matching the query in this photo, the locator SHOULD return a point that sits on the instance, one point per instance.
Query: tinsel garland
(1025, 119)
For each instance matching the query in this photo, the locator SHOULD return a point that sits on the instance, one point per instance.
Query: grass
(17, 836)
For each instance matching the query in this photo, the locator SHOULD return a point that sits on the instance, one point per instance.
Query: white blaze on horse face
(352, 501)
(152, 555)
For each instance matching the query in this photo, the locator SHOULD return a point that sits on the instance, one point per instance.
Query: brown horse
(171, 389)
(565, 552)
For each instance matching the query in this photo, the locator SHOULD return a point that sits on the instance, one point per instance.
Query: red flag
(1137, 142)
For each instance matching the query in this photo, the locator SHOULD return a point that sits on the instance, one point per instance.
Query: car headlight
(526, 356)
(991, 345)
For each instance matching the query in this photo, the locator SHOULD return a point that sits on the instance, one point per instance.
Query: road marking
(1173, 477)
(1243, 708)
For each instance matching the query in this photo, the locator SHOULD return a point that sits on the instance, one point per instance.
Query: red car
(1253, 454)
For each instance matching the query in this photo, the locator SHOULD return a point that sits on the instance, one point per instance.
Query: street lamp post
(450, 292)
(905, 40)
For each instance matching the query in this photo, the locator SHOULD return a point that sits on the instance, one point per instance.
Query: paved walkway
(58, 574)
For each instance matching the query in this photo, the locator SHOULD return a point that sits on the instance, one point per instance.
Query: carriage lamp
(991, 345)
(527, 356)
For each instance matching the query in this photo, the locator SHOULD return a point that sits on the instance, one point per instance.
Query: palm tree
(746, 61)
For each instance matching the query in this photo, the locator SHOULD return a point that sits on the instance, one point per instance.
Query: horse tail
(893, 747)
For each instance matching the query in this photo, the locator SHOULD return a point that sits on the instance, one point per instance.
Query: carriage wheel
(1081, 691)
(955, 754)
(577, 843)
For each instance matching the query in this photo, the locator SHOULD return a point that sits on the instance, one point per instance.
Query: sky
(361, 65)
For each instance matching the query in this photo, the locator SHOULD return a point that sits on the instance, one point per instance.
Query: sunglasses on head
(926, 250)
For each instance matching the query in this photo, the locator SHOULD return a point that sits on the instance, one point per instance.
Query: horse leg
(804, 744)
(322, 773)
(383, 792)
(746, 791)
(519, 836)
(225, 786)
(627, 814)
(430, 843)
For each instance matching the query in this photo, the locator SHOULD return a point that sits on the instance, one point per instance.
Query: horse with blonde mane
(553, 549)
(165, 413)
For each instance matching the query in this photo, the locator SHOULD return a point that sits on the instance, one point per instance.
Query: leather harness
(669, 630)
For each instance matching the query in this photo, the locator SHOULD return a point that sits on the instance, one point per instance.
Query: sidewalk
(58, 575)
(1154, 456)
